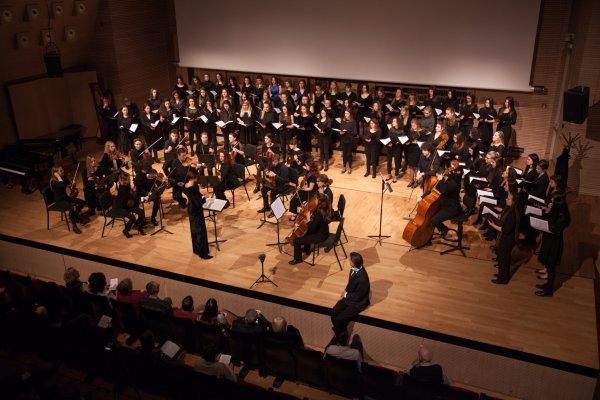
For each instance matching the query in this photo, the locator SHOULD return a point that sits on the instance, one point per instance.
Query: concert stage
(444, 298)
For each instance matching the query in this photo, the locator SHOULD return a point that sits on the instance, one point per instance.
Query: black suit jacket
(358, 289)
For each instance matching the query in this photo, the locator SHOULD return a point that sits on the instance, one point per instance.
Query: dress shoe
(409, 185)
(498, 282)
(367, 174)
(395, 179)
(541, 286)
(91, 212)
(326, 167)
(343, 170)
(374, 176)
(543, 293)
(154, 221)
(76, 229)
(271, 215)
(208, 257)
(388, 177)
(262, 210)
(294, 262)
(256, 189)
(141, 232)
(126, 233)
(349, 171)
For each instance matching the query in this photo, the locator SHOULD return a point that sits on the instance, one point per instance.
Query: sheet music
(385, 141)
(317, 126)
(536, 199)
(115, 116)
(338, 120)
(225, 359)
(389, 107)
(442, 152)
(155, 124)
(421, 107)
(533, 211)
(203, 118)
(403, 139)
(367, 119)
(340, 101)
(487, 210)
(389, 126)
(488, 200)
(214, 93)
(484, 193)
(133, 127)
(113, 284)
(277, 125)
(420, 144)
(220, 124)
(466, 171)
(239, 94)
(104, 322)
(175, 120)
(476, 178)
(277, 110)
(456, 113)
(539, 224)
(214, 204)
(278, 208)
(476, 115)
(335, 129)
(169, 349)
(438, 111)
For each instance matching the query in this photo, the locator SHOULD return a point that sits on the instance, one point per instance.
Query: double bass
(419, 230)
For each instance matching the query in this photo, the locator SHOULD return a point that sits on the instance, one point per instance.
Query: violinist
(317, 230)
(269, 148)
(295, 157)
(127, 206)
(428, 163)
(59, 184)
(227, 178)
(307, 187)
(460, 150)
(172, 144)
(146, 181)
(111, 163)
(449, 188)
(279, 174)
(196, 216)
(206, 147)
(235, 148)
(371, 138)
(137, 152)
(91, 175)
(324, 138)
(394, 149)
(323, 183)
(177, 173)
(150, 129)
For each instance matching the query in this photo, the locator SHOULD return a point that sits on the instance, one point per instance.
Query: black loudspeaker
(576, 103)
(53, 66)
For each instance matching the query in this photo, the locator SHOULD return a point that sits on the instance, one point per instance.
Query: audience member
(210, 365)
(97, 284)
(211, 310)
(187, 309)
(423, 369)
(153, 302)
(125, 292)
(72, 282)
(285, 333)
(253, 322)
(345, 349)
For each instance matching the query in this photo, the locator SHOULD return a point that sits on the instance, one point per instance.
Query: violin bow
(75, 176)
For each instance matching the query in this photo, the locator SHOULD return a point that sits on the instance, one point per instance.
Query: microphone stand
(384, 188)
(262, 278)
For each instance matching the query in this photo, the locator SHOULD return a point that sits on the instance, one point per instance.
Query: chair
(343, 377)
(78, 302)
(310, 368)
(211, 334)
(250, 156)
(126, 319)
(52, 207)
(419, 390)
(459, 221)
(181, 331)
(339, 213)
(379, 382)
(106, 202)
(278, 360)
(157, 322)
(240, 174)
(332, 241)
(100, 306)
(209, 181)
(243, 346)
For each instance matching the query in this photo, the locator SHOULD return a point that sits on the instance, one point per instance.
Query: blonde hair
(88, 165)
(107, 146)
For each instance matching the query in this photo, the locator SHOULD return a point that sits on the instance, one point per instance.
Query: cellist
(318, 228)
(449, 187)
(307, 187)
(428, 165)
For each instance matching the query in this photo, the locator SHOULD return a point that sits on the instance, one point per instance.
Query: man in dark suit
(355, 298)
(153, 303)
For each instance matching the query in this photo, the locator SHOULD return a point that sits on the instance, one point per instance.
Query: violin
(73, 191)
(117, 155)
(156, 175)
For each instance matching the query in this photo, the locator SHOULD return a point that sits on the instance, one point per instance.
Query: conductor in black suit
(355, 298)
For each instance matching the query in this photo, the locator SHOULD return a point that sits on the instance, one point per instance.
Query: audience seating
(343, 377)
(278, 360)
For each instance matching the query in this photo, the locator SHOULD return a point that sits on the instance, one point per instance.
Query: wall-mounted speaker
(70, 34)
(53, 65)
(576, 103)
(32, 12)
(22, 40)
(80, 8)
(6, 15)
(46, 36)
(58, 9)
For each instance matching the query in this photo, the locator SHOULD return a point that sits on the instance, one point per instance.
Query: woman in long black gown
(196, 215)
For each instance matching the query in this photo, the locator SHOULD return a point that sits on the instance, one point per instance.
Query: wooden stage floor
(448, 294)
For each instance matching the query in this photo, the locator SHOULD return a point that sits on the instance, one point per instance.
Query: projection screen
(468, 43)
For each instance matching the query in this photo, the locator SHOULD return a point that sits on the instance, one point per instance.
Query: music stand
(278, 209)
(213, 206)
(384, 188)
(208, 160)
(156, 196)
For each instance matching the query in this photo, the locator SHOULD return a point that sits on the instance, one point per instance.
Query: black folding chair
(109, 214)
(332, 241)
(53, 207)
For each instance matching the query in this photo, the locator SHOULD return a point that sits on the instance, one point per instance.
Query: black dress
(505, 244)
(197, 224)
(505, 123)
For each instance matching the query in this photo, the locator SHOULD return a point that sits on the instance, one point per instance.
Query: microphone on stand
(386, 183)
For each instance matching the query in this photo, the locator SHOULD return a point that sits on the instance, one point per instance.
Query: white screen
(470, 43)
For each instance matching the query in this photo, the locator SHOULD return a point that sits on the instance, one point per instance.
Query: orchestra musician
(235, 148)
(307, 187)
(91, 175)
(295, 157)
(428, 163)
(449, 187)
(318, 228)
(227, 177)
(111, 163)
(268, 148)
(172, 144)
(279, 177)
(206, 147)
(196, 216)
(127, 206)
(177, 174)
(137, 152)
(59, 183)
(323, 183)
(146, 181)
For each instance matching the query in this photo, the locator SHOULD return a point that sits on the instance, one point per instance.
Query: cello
(429, 182)
(419, 230)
